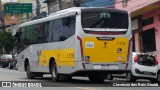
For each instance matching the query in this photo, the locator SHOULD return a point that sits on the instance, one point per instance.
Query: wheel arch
(51, 60)
(26, 63)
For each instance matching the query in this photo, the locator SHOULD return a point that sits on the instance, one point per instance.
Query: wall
(133, 5)
(155, 25)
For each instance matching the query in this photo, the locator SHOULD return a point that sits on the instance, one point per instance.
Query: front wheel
(130, 77)
(30, 75)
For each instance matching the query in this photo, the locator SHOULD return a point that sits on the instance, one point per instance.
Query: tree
(7, 42)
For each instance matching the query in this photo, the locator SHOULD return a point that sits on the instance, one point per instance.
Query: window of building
(147, 21)
(135, 24)
(133, 45)
(148, 40)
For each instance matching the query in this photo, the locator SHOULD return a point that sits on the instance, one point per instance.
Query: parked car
(144, 66)
(7, 60)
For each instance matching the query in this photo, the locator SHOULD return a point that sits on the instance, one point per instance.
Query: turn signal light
(136, 58)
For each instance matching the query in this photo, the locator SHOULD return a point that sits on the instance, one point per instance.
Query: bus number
(121, 43)
(70, 55)
(105, 15)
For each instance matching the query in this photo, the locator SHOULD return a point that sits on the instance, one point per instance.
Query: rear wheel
(96, 78)
(54, 73)
(130, 77)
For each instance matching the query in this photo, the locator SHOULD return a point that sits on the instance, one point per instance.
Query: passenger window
(61, 29)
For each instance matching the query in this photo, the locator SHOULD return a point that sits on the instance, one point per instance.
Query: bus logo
(105, 44)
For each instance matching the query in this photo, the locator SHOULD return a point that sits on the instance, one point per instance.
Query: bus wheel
(130, 77)
(30, 75)
(96, 78)
(54, 73)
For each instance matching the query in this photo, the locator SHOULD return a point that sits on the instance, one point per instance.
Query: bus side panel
(63, 57)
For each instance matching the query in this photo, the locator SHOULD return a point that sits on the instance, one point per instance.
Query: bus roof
(59, 14)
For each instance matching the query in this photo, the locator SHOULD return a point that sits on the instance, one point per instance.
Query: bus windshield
(104, 19)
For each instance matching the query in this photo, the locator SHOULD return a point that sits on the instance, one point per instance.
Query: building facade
(145, 24)
(9, 19)
(56, 5)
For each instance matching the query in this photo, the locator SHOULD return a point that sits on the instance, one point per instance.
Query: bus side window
(20, 37)
(67, 21)
(69, 28)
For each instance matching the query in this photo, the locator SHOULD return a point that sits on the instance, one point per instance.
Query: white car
(144, 66)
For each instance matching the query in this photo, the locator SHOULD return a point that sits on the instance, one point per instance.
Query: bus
(78, 41)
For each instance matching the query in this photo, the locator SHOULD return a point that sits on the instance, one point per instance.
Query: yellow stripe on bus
(63, 57)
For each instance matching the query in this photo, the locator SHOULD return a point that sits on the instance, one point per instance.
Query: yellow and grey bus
(79, 41)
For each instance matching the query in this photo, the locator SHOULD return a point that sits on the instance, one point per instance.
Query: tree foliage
(7, 42)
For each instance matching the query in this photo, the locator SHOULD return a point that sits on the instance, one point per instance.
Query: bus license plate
(97, 67)
(112, 67)
(106, 67)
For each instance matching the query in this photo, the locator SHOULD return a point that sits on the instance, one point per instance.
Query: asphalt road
(77, 83)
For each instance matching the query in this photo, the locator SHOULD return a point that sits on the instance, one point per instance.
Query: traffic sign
(18, 8)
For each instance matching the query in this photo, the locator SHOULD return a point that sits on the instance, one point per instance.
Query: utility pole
(38, 6)
(2, 15)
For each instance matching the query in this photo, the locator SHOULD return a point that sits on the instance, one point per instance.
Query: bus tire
(96, 78)
(130, 77)
(54, 73)
(30, 75)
